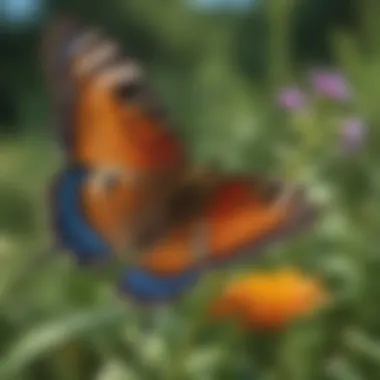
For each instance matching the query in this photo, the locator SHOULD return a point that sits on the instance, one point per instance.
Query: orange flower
(269, 300)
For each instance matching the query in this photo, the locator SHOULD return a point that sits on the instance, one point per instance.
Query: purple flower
(331, 84)
(291, 98)
(353, 132)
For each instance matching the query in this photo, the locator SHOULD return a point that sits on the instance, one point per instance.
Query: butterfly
(128, 185)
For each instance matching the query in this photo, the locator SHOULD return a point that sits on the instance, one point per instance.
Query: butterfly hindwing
(246, 216)
(239, 218)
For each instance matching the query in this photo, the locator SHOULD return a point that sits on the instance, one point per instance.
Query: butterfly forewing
(108, 112)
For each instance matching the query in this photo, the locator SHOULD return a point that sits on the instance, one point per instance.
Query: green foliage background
(218, 73)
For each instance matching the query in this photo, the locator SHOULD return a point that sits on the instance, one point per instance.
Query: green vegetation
(219, 75)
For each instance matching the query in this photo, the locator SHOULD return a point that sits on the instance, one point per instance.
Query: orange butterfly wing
(110, 208)
(111, 123)
(239, 217)
(108, 113)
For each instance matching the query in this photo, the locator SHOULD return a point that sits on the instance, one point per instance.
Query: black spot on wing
(130, 91)
(139, 92)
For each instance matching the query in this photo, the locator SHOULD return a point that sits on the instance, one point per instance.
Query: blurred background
(271, 86)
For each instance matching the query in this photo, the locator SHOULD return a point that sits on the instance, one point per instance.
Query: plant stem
(278, 14)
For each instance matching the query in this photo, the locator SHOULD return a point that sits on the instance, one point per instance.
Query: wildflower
(269, 299)
(331, 84)
(352, 135)
(291, 98)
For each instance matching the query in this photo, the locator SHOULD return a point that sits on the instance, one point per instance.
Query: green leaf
(40, 340)
(116, 370)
